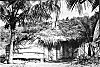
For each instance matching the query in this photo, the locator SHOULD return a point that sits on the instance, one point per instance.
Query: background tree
(95, 3)
(43, 10)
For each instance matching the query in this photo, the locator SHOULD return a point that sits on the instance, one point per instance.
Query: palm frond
(80, 8)
(52, 5)
(72, 3)
(40, 10)
(95, 4)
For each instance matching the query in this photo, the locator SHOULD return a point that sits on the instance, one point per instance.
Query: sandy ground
(47, 65)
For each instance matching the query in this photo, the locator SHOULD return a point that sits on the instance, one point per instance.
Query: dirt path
(46, 65)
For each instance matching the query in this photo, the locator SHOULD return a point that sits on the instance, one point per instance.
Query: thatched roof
(65, 32)
(50, 35)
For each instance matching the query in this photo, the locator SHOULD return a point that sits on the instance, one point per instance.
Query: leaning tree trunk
(96, 31)
(10, 59)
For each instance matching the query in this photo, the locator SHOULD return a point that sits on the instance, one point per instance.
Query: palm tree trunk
(10, 60)
(40, 8)
(54, 24)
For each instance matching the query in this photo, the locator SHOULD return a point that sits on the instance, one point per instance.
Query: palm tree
(70, 5)
(52, 6)
(9, 14)
(44, 9)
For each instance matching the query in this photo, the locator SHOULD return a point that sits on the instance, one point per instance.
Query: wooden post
(42, 60)
(48, 54)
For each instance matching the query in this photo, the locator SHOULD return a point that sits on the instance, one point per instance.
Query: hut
(60, 42)
(50, 39)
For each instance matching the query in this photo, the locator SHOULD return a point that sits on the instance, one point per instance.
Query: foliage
(43, 10)
(9, 12)
(72, 3)
(82, 27)
(40, 11)
(4, 37)
(52, 5)
(72, 29)
(89, 25)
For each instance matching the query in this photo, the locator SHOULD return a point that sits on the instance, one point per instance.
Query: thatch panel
(67, 30)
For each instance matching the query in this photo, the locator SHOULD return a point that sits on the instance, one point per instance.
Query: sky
(66, 13)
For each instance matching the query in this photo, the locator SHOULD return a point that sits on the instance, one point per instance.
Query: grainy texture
(49, 33)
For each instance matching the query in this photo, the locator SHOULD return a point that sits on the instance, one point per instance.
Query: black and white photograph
(49, 33)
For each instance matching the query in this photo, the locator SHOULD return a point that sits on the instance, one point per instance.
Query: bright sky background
(66, 13)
